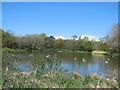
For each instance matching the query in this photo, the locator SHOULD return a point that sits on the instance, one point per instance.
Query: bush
(8, 50)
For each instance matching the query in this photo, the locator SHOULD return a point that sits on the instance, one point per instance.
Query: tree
(113, 38)
(49, 42)
(8, 40)
(74, 37)
(59, 44)
(69, 45)
(86, 38)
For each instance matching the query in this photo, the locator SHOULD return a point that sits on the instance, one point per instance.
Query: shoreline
(9, 50)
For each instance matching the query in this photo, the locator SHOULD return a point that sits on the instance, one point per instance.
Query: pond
(72, 61)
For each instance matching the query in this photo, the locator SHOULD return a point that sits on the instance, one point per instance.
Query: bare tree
(74, 37)
(113, 38)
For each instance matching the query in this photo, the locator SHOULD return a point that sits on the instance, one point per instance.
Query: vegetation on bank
(55, 79)
(6, 49)
(42, 42)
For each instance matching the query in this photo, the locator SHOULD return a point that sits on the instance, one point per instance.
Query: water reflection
(23, 66)
(92, 64)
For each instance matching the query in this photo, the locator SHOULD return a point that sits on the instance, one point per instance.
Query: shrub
(8, 50)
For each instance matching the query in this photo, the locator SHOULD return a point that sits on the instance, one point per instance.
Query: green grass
(9, 50)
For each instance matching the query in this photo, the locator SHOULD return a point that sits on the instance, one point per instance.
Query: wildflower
(11, 86)
(47, 76)
(98, 86)
(92, 76)
(76, 74)
(107, 79)
(104, 85)
(114, 82)
(90, 85)
(26, 73)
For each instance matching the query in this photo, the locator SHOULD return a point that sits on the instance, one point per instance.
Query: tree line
(42, 42)
(113, 39)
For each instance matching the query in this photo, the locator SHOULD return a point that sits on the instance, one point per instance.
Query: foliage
(59, 44)
(42, 42)
(113, 39)
(8, 40)
(8, 50)
(51, 79)
(98, 46)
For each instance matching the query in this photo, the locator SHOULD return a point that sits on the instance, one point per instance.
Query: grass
(8, 50)
(55, 79)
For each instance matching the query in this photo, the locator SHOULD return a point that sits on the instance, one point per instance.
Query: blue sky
(60, 18)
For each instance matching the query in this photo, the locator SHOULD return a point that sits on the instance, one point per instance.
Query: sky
(59, 18)
(60, 0)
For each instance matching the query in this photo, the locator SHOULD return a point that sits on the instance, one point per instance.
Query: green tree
(8, 40)
(49, 43)
(59, 44)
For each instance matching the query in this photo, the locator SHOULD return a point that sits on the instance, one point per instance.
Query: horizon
(60, 19)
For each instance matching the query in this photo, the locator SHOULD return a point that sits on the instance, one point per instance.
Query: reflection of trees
(93, 63)
(40, 62)
(112, 67)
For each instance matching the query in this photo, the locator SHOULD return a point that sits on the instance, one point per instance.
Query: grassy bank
(9, 50)
(5, 49)
(99, 52)
(105, 53)
(55, 79)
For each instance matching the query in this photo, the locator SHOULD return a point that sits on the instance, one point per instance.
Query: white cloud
(90, 37)
(60, 37)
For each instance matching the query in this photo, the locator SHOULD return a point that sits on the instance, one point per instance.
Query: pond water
(72, 61)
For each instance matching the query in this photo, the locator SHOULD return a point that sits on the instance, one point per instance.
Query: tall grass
(50, 79)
